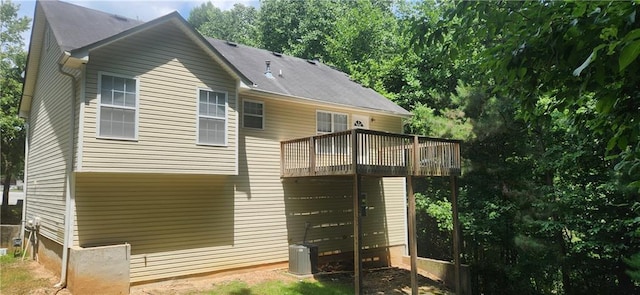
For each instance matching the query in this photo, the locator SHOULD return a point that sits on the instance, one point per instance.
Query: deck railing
(369, 152)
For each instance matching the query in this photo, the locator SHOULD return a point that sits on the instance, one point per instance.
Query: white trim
(81, 110)
(237, 140)
(25, 180)
(316, 102)
(99, 106)
(366, 121)
(264, 113)
(226, 117)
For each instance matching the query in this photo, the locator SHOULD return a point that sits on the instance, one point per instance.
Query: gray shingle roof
(302, 78)
(76, 27)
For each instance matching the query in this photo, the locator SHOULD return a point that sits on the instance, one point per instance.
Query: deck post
(456, 233)
(413, 246)
(282, 158)
(357, 236)
(357, 260)
(312, 156)
(413, 241)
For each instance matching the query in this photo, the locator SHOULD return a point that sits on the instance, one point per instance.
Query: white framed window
(329, 122)
(252, 114)
(212, 117)
(117, 106)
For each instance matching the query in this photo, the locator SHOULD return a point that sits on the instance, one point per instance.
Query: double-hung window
(253, 114)
(118, 107)
(212, 117)
(327, 122)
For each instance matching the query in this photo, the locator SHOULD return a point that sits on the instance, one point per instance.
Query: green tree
(12, 64)
(238, 24)
(541, 203)
(299, 28)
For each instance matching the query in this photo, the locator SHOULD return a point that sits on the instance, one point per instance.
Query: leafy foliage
(546, 96)
(12, 63)
(237, 25)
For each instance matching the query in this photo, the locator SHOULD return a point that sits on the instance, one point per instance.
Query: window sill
(211, 144)
(117, 138)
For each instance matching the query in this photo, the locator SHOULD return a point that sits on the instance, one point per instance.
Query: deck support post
(456, 233)
(413, 244)
(357, 236)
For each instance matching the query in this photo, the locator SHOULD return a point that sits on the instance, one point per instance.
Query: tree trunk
(5, 197)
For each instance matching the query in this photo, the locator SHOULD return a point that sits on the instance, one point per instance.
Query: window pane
(340, 122)
(118, 83)
(202, 109)
(252, 108)
(324, 122)
(130, 86)
(105, 121)
(220, 99)
(130, 100)
(211, 131)
(106, 96)
(253, 122)
(118, 98)
(115, 122)
(107, 82)
(203, 96)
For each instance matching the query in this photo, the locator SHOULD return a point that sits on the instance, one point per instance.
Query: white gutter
(25, 180)
(70, 180)
(315, 102)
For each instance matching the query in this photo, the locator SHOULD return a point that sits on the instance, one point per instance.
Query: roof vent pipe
(268, 70)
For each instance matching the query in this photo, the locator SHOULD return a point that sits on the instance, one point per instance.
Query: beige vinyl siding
(179, 224)
(176, 224)
(49, 144)
(170, 68)
(325, 202)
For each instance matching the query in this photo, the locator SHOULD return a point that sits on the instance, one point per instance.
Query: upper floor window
(212, 117)
(253, 114)
(327, 122)
(118, 107)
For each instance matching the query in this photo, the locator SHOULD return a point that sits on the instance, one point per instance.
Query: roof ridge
(57, 2)
(272, 52)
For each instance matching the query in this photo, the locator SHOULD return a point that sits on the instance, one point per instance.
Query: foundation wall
(48, 253)
(445, 271)
(99, 270)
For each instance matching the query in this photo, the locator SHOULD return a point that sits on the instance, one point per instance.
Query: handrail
(361, 151)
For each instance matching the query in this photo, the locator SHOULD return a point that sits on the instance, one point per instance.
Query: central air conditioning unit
(303, 259)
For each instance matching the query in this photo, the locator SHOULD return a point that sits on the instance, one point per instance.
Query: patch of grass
(15, 277)
(281, 288)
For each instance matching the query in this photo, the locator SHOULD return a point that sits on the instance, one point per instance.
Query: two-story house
(183, 155)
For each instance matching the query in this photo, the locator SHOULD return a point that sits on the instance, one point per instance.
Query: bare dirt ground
(393, 281)
(45, 280)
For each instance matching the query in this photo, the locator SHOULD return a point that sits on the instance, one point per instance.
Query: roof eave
(251, 90)
(82, 53)
(33, 61)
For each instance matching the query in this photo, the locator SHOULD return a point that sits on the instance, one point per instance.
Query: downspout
(23, 224)
(68, 216)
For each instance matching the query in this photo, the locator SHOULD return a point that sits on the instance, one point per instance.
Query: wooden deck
(368, 152)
